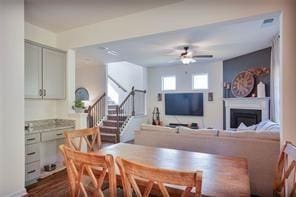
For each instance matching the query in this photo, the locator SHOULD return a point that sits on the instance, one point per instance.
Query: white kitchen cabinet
(32, 172)
(54, 74)
(45, 72)
(33, 71)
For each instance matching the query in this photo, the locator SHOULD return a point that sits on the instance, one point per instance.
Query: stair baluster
(96, 112)
(118, 115)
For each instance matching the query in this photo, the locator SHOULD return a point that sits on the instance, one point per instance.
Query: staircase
(112, 123)
(109, 126)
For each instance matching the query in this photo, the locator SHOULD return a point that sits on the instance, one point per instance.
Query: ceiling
(224, 41)
(61, 15)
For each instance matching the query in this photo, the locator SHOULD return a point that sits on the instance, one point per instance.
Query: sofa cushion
(149, 127)
(267, 135)
(208, 132)
(268, 126)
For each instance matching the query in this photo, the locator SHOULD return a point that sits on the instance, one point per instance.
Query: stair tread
(113, 121)
(107, 127)
(116, 115)
(108, 134)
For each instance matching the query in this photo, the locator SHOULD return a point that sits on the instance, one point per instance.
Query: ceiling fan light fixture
(187, 60)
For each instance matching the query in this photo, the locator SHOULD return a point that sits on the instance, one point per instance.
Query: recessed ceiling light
(113, 53)
(109, 51)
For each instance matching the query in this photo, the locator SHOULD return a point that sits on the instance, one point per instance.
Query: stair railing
(96, 112)
(117, 84)
(132, 105)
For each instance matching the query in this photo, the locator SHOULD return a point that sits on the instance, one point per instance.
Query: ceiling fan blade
(202, 56)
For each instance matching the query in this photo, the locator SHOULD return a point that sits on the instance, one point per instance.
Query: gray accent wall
(232, 67)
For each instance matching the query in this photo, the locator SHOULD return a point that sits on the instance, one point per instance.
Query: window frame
(162, 83)
(197, 74)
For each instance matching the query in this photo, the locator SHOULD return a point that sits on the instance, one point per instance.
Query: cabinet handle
(44, 92)
(59, 134)
(32, 171)
(40, 92)
(31, 139)
(32, 153)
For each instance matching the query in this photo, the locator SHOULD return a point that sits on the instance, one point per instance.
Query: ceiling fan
(186, 57)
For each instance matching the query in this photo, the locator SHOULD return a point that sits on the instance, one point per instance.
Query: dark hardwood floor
(55, 185)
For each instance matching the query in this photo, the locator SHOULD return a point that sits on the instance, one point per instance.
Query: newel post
(89, 118)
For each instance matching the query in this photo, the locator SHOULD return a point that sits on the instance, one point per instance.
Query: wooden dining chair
(91, 137)
(285, 183)
(133, 173)
(83, 176)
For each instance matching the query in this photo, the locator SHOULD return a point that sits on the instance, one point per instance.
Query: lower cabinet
(32, 171)
(41, 149)
(52, 135)
(32, 158)
(32, 153)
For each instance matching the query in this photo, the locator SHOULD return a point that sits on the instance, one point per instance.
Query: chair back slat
(96, 168)
(290, 150)
(90, 136)
(132, 172)
(285, 183)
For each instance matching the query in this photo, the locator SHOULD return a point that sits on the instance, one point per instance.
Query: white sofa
(260, 149)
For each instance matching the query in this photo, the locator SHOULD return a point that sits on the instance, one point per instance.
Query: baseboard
(19, 193)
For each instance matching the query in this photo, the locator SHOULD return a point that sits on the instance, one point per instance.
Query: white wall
(213, 111)
(132, 125)
(127, 75)
(93, 78)
(37, 34)
(12, 98)
(191, 13)
(40, 109)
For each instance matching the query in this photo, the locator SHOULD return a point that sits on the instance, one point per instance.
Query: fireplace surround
(248, 110)
(247, 116)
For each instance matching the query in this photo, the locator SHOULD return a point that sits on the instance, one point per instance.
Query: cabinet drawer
(32, 138)
(52, 135)
(32, 153)
(32, 171)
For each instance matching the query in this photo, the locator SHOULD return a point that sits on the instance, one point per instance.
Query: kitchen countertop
(39, 126)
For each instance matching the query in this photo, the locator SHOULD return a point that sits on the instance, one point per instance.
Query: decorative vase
(261, 90)
(78, 110)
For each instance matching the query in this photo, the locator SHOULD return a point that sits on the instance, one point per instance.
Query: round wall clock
(81, 94)
(243, 84)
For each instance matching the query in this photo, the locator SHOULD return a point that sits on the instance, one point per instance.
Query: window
(200, 81)
(169, 83)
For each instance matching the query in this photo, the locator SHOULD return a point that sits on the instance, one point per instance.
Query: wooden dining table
(222, 175)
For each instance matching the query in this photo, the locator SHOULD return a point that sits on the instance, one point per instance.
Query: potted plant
(78, 106)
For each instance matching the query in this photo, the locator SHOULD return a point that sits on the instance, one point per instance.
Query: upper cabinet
(45, 72)
(54, 74)
(33, 71)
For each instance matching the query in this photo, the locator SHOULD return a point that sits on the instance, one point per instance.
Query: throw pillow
(243, 127)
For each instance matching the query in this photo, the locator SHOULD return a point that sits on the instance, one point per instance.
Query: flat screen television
(184, 104)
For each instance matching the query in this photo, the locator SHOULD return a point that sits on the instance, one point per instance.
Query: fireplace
(247, 116)
(247, 110)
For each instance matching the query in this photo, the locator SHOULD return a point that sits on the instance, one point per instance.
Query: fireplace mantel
(247, 103)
